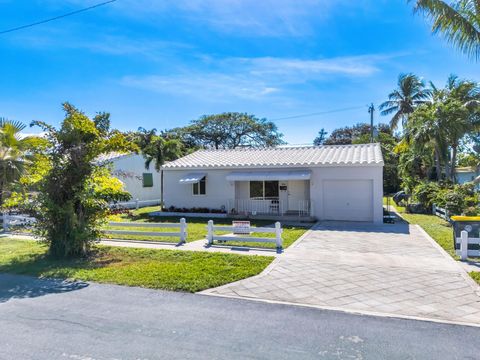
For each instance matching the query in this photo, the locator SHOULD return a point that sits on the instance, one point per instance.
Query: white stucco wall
(218, 190)
(129, 169)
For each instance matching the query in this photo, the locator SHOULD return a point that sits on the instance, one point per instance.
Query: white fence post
(5, 222)
(183, 230)
(210, 232)
(278, 235)
(464, 245)
(137, 204)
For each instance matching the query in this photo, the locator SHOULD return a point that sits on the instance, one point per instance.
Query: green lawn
(197, 228)
(158, 269)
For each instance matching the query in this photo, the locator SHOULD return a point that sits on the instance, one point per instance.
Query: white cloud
(254, 78)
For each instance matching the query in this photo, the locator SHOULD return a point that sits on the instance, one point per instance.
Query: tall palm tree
(158, 150)
(411, 92)
(459, 22)
(13, 154)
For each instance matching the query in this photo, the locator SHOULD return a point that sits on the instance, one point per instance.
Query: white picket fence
(462, 245)
(135, 204)
(181, 233)
(441, 212)
(277, 230)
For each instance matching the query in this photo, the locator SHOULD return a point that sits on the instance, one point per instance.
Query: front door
(296, 195)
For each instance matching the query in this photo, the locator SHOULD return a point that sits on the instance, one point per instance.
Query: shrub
(471, 211)
(426, 193)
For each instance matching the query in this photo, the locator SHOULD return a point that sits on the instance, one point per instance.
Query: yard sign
(241, 227)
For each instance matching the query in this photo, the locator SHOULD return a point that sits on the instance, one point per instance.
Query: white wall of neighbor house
(130, 169)
(348, 193)
(218, 189)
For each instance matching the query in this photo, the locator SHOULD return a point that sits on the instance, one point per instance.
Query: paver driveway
(388, 269)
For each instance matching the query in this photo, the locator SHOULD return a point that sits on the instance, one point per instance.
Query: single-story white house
(468, 174)
(343, 182)
(143, 184)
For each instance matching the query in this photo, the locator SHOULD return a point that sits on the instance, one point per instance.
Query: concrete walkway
(391, 270)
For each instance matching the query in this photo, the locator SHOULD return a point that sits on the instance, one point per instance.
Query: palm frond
(459, 22)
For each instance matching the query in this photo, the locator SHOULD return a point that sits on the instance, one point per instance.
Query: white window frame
(198, 183)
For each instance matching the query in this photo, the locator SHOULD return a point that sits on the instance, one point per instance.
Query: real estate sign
(241, 227)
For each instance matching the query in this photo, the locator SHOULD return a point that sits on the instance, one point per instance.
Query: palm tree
(459, 22)
(411, 92)
(158, 150)
(13, 154)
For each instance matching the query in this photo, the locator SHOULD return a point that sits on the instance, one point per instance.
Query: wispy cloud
(247, 17)
(254, 78)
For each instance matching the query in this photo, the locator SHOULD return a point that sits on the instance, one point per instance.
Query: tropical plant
(74, 195)
(411, 92)
(458, 21)
(156, 148)
(15, 155)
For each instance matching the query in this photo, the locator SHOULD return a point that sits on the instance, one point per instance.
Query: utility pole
(371, 111)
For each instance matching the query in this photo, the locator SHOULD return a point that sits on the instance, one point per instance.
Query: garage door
(348, 200)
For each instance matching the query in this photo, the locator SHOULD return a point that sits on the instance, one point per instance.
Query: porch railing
(269, 206)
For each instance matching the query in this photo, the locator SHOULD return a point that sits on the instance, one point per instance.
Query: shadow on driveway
(21, 287)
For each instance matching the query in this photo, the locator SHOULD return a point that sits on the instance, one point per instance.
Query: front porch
(274, 194)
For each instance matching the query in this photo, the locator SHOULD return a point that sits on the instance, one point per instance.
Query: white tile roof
(339, 155)
(111, 156)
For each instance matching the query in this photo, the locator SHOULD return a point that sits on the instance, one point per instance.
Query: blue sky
(163, 63)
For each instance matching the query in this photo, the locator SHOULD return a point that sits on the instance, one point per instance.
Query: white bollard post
(183, 230)
(137, 204)
(278, 235)
(5, 222)
(464, 245)
(210, 232)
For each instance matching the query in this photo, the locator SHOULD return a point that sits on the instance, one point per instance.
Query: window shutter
(147, 180)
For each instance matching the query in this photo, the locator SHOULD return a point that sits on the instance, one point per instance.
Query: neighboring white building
(342, 182)
(143, 184)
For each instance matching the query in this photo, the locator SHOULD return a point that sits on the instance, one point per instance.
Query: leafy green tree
(458, 21)
(74, 195)
(353, 134)
(232, 130)
(321, 137)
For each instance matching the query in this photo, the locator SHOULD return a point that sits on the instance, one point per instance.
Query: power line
(319, 113)
(56, 17)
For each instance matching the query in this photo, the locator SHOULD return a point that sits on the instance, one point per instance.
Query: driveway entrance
(393, 270)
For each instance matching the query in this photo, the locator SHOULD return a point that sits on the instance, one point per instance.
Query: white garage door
(348, 200)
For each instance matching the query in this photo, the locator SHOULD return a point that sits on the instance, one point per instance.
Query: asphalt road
(49, 319)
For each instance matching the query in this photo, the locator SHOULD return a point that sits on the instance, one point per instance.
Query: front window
(200, 188)
(263, 189)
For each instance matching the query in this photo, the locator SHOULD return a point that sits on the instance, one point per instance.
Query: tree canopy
(229, 131)
(76, 190)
